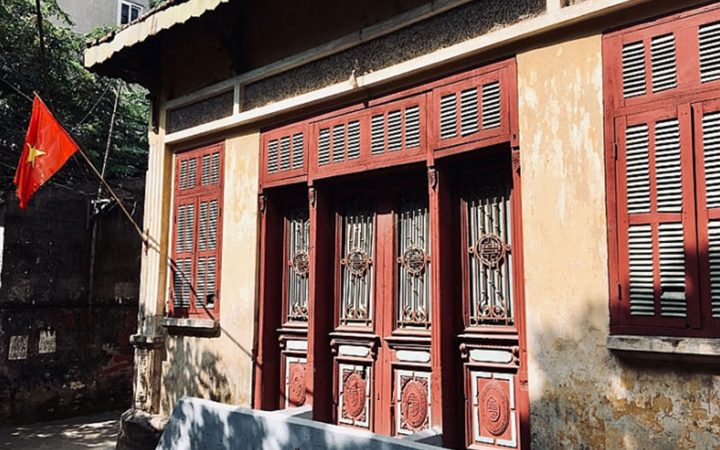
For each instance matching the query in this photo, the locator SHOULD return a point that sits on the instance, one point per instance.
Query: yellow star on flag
(32, 154)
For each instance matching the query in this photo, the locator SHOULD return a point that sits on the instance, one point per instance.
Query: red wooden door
(381, 340)
(293, 332)
(492, 340)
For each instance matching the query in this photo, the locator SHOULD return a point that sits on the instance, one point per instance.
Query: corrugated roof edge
(163, 17)
(159, 7)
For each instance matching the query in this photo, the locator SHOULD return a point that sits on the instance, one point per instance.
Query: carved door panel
(382, 336)
(490, 343)
(293, 332)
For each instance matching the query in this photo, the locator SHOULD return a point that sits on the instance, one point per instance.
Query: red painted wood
(321, 306)
(195, 196)
(446, 310)
(267, 360)
(619, 113)
(384, 178)
(426, 96)
(704, 215)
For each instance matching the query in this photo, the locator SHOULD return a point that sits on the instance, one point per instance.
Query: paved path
(89, 432)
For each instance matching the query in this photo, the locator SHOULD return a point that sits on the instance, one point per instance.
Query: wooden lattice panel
(392, 133)
(473, 110)
(284, 154)
(665, 58)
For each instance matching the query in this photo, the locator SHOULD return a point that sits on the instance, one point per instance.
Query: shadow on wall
(585, 397)
(190, 369)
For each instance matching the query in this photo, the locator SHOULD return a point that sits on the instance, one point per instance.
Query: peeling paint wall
(220, 368)
(583, 396)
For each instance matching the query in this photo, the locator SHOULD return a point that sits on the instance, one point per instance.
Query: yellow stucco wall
(220, 368)
(583, 396)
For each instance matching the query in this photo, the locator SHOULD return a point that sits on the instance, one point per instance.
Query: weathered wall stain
(583, 396)
(220, 368)
(70, 352)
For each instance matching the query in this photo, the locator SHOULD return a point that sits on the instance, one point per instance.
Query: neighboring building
(88, 15)
(496, 218)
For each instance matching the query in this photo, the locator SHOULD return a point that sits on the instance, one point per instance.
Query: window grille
(489, 256)
(413, 249)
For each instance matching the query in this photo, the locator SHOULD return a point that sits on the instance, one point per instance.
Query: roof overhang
(163, 17)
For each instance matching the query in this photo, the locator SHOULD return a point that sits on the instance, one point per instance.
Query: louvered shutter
(196, 230)
(707, 166)
(182, 270)
(473, 109)
(657, 240)
(207, 252)
(283, 155)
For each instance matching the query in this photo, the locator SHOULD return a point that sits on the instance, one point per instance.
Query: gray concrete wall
(198, 424)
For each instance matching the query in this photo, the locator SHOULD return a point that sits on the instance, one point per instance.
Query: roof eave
(102, 50)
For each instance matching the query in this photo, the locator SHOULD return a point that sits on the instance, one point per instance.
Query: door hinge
(619, 291)
(615, 151)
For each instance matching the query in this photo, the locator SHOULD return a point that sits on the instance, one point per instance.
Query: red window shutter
(197, 225)
(656, 231)
(707, 169)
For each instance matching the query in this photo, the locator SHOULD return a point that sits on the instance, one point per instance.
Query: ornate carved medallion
(414, 403)
(357, 262)
(490, 249)
(494, 408)
(414, 260)
(296, 384)
(354, 396)
(300, 263)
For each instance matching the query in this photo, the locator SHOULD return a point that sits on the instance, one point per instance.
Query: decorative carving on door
(354, 395)
(490, 250)
(413, 401)
(494, 408)
(414, 260)
(296, 393)
(357, 262)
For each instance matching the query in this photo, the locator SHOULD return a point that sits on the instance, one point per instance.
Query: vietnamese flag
(47, 147)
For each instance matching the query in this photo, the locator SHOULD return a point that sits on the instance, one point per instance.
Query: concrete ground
(89, 432)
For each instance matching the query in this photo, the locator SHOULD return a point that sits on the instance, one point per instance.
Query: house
(494, 218)
(87, 16)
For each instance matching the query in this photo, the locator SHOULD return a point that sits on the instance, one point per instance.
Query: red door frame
(445, 363)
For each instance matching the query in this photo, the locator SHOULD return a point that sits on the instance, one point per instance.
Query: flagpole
(114, 196)
(143, 235)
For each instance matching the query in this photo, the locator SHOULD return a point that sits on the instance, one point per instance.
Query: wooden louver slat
(640, 250)
(672, 270)
(667, 166)
(663, 62)
(272, 156)
(638, 174)
(298, 153)
(709, 43)
(491, 105)
(633, 69)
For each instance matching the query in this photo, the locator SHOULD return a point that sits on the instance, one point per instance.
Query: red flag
(47, 147)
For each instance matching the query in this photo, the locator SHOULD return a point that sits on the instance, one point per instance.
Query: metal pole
(41, 35)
